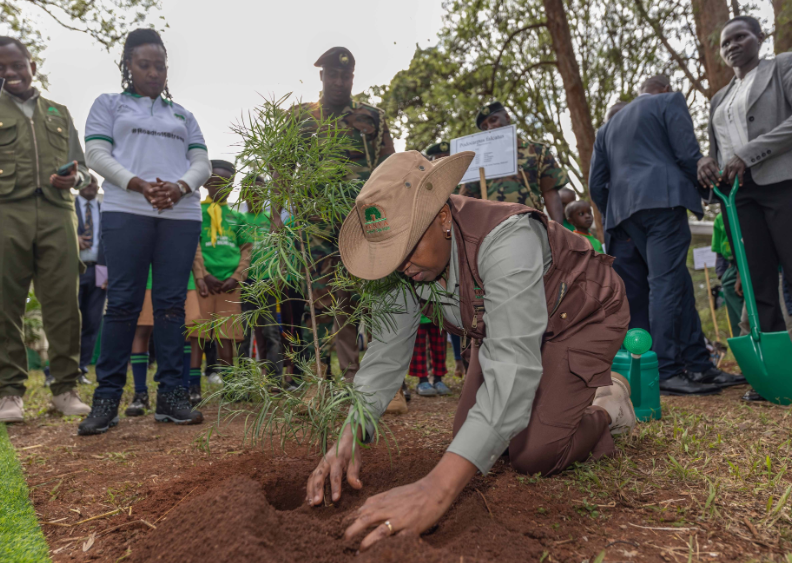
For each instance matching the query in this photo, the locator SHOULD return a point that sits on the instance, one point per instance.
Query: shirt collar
(31, 100)
(165, 100)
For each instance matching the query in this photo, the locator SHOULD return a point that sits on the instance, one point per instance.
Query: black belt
(89, 264)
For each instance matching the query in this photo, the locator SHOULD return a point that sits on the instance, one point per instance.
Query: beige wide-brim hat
(393, 210)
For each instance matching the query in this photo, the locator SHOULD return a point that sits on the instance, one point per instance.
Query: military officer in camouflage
(540, 175)
(38, 232)
(438, 150)
(367, 129)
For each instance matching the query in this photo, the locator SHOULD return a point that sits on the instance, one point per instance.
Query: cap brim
(375, 260)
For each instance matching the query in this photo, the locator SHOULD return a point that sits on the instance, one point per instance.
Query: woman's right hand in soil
(212, 284)
(335, 462)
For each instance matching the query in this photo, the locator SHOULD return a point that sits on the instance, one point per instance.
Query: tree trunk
(710, 15)
(783, 25)
(579, 112)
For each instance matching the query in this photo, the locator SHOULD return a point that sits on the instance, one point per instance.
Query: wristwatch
(183, 188)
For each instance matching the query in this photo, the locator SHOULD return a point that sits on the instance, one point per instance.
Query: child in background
(225, 248)
(437, 347)
(567, 196)
(140, 345)
(581, 216)
(728, 277)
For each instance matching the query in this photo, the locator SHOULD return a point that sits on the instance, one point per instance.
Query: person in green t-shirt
(734, 300)
(267, 333)
(567, 196)
(226, 249)
(581, 216)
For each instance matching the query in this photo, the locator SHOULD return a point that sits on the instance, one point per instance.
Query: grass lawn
(21, 540)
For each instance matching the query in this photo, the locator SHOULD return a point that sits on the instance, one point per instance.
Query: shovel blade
(766, 364)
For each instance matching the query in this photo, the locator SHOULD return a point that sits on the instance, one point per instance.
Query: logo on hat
(376, 222)
(343, 59)
(444, 147)
(485, 110)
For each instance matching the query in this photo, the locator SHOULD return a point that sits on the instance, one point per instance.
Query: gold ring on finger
(390, 528)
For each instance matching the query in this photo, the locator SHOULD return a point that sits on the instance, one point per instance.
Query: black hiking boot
(104, 414)
(139, 405)
(175, 407)
(195, 394)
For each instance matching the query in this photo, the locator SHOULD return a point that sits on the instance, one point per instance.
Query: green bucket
(765, 358)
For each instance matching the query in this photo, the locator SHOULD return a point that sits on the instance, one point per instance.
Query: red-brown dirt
(175, 503)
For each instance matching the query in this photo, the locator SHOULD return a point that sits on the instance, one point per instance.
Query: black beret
(437, 148)
(337, 57)
(487, 110)
(225, 165)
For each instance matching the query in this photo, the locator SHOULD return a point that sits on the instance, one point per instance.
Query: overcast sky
(224, 54)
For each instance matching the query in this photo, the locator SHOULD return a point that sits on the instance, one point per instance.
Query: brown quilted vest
(577, 283)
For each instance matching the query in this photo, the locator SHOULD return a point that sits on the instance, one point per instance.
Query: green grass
(21, 539)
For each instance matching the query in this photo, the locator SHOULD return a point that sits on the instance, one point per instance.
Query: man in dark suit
(92, 297)
(628, 264)
(643, 171)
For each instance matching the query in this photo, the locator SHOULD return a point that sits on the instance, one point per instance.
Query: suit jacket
(97, 233)
(769, 108)
(645, 158)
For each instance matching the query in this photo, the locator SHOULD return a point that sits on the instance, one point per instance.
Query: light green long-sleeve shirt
(513, 259)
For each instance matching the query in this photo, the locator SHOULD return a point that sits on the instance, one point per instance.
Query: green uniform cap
(437, 148)
(337, 57)
(487, 110)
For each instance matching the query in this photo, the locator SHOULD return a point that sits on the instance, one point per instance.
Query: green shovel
(765, 358)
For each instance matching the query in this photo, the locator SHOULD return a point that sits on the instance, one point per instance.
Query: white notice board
(703, 257)
(496, 152)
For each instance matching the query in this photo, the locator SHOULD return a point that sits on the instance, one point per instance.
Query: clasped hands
(211, 284)
(160, 194)
(709, 175)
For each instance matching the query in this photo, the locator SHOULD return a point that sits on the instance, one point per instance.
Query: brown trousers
(564, 427)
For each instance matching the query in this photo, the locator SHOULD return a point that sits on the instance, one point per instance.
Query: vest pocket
(58, 134)
(8, 132)
(7, 171)
(592, 369)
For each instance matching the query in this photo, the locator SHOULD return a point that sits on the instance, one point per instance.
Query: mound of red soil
(235, 522)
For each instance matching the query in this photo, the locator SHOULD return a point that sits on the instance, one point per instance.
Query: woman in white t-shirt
(152, 155)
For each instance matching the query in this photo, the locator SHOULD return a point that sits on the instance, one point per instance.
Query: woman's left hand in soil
(414, 508)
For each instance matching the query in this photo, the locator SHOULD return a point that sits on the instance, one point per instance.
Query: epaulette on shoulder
(369, 107)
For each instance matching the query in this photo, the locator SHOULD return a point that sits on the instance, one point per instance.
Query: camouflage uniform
(537, 162)
(367, 129)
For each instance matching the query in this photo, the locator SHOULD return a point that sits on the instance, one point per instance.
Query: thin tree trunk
(709, 16)
(783, 25)
(578, 106)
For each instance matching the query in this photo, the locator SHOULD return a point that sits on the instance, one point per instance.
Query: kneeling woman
(544, 315)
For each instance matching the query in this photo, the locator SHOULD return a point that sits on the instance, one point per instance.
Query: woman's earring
(448, 234)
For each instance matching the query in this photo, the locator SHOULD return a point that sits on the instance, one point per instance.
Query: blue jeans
(131, 244)
(662, 238)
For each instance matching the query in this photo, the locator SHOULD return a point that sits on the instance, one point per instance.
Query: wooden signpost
(496, 155)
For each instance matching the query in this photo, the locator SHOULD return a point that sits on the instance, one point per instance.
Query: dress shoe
(715, 376)
(752, 396)
(681, 385)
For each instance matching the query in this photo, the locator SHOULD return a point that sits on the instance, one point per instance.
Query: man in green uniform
(367, 130)
(438, 150)
(537, 183)
(38, 233)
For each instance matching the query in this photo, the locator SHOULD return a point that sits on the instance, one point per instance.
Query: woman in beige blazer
(750, 134)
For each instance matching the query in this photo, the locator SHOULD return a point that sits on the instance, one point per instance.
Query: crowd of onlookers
(151, 261)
